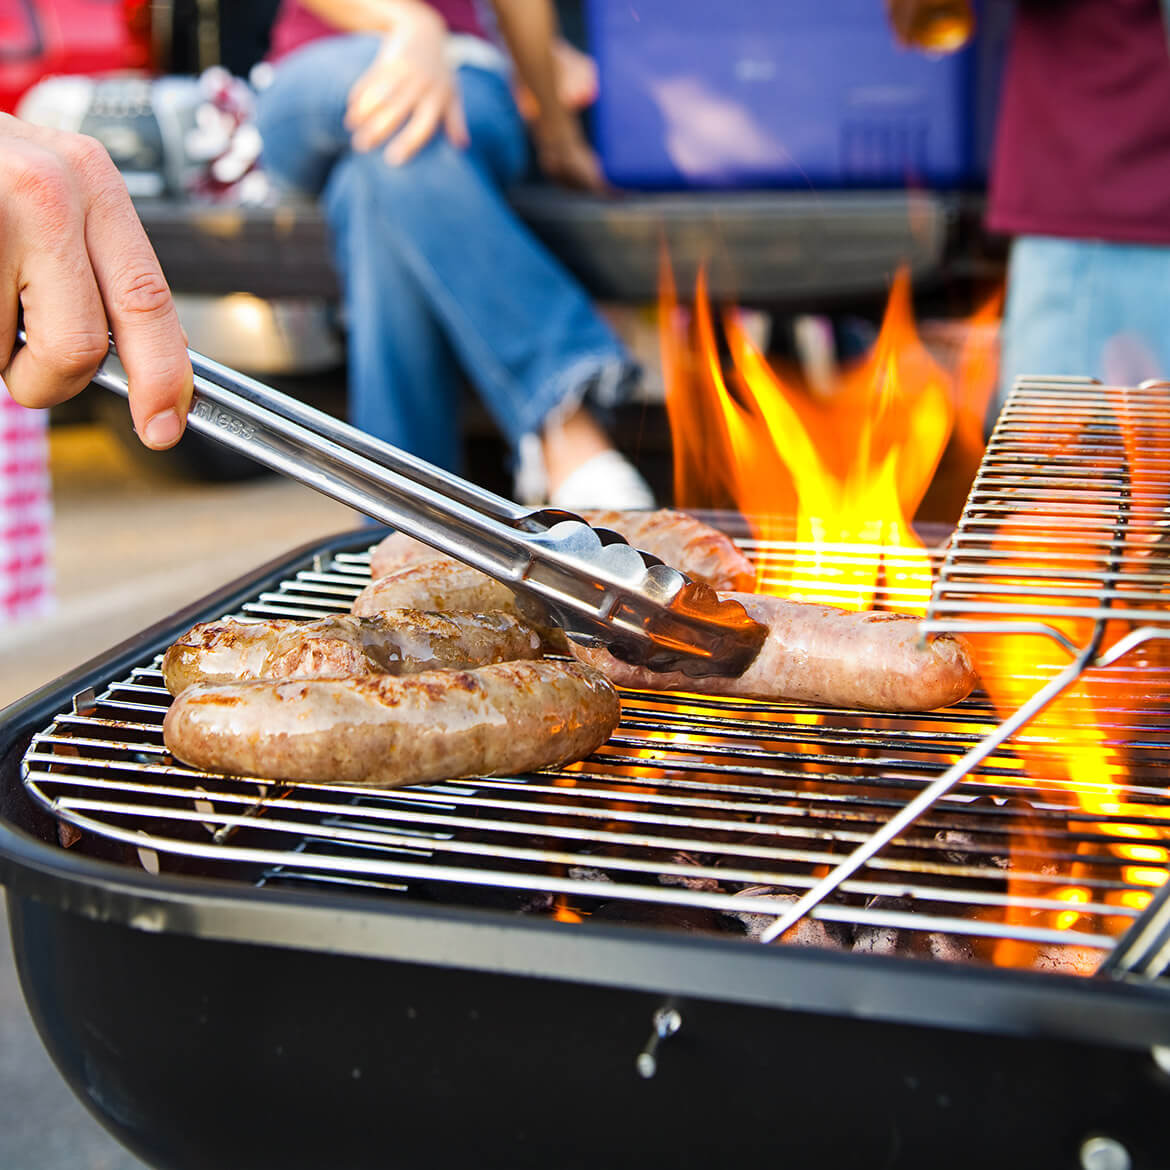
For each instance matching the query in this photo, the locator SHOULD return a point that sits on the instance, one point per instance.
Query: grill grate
(1068, 521)
(951, 835)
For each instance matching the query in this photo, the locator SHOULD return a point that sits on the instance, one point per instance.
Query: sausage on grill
(823, 655)
(702, 552)
(386, 731)
(444, 584)
(695, 548)
(437, 584)
(401, 641)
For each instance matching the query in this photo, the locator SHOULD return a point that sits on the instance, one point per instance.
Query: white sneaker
(530, 483)
(607, 480)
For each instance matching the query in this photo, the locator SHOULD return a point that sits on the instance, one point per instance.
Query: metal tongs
(588, 581)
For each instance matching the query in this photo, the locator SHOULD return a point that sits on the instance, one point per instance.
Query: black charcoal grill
(567, 969)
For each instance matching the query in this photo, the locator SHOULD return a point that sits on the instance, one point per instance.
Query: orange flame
(836, 477)
(841, 476)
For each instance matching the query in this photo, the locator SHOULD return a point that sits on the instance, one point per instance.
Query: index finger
(138, 302)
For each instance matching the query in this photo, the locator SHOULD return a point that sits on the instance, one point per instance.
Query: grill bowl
(206, 1021)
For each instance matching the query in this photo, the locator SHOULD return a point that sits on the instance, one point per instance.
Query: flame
(1065, 746)
(840, 475)
(834, 476)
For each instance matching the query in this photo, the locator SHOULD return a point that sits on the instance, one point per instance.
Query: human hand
(576, 81)
(409, 89)
(75, 260)
(564, 155)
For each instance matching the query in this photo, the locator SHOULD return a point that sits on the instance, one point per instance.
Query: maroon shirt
(1083, 142)
(295, 25)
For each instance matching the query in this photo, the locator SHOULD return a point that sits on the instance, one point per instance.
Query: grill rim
(1121, 1013)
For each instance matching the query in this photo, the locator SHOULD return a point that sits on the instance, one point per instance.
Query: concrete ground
(132, 546)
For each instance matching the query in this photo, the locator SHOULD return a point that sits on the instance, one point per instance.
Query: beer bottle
(936, 26)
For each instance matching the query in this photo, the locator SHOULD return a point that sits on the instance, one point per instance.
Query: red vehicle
(40, 38)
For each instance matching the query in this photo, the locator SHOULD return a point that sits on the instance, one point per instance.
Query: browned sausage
(401, 641)
(218, 651)
(702, 552)
(820, 654)
(695, 548)
(448, 585)
(397, 551)
(435, 585)
(385, 731)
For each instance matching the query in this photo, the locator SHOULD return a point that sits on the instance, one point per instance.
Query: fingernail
(162, 429)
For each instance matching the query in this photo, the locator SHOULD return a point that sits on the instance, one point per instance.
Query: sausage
(444, 584)
(397, 551)
(437, 584)
(218, 651)
(386, 731)
(401, 641)
(823, 655)
(702, 552)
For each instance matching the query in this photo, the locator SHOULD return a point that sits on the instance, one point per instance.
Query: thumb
(455, 123)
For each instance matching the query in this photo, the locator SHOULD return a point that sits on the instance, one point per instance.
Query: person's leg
(526, 334)
(1129, 295)
(439, 229)
(403, 378)
(404, 382)
(1046, 315)
(1086, 308)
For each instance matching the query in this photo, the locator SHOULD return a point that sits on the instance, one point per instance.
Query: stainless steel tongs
(588, 581)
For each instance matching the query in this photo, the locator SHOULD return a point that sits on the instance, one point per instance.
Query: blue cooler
(780, 93)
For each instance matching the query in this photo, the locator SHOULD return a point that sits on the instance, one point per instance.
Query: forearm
(376, 16)
(529, 29)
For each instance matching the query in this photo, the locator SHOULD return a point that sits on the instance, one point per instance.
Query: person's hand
(576, 82)
(565, 156)
(409, 90)
(75, 260)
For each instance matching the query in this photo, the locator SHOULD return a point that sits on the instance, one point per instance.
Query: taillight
(137, 17)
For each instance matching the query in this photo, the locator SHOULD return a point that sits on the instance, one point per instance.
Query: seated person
(400, 116)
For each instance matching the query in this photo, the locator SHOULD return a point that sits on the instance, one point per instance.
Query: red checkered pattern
(26, 511)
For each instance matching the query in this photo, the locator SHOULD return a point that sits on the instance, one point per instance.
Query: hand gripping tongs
(588, 581)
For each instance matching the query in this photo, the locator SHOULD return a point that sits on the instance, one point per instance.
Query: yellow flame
(842, 477)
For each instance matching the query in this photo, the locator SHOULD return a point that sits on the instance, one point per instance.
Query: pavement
(132, 545)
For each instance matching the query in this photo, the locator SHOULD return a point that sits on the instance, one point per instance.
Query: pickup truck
(785, 251)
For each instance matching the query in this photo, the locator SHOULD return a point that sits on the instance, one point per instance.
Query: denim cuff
(601, 381)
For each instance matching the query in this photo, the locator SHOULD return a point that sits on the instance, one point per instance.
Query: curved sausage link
(397, 642)
(704, 553)
(386, 731)
(695, 548)
(823, 655)
(436, 584)
(448, 585)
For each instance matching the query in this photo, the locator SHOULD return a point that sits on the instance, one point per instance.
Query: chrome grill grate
(951, 835)
(1068, 521)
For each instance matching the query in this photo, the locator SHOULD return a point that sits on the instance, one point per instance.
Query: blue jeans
(439, 274)
(1086, 307)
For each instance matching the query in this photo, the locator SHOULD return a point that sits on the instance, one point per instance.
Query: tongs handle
(591, 582)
